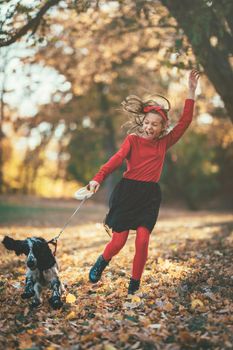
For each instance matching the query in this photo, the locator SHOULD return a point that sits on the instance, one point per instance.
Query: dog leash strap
(68, 221)
(54, 243)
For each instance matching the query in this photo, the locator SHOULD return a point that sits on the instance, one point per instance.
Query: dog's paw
(55, 302)
(27, 295)
(35, 303)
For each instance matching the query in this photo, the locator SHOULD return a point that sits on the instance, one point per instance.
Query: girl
(135, 201)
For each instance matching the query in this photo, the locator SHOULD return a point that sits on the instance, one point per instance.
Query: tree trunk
(1, 135)
(215, 60)
(109, 142)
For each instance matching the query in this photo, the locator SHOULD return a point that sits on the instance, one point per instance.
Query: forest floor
(185, 299)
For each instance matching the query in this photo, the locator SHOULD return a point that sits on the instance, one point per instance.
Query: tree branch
(31, 25)
(214, 60)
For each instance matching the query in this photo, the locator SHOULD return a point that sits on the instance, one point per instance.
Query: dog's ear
(19, 247)
(44, 255)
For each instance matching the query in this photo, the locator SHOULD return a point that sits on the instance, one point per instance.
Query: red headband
(157, 109)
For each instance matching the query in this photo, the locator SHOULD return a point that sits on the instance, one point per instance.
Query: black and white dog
(42, 269)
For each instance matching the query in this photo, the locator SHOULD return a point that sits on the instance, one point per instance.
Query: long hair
(133, 106)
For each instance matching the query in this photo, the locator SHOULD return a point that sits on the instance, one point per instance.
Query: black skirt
(132, 204)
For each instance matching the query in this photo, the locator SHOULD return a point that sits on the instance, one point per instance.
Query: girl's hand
(93, 186)
(193, 80)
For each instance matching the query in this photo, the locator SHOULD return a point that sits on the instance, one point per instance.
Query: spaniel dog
(42, 269)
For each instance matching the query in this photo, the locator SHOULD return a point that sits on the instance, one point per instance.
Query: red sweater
(144, 157)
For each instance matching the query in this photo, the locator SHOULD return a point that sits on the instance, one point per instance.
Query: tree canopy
(210, 34)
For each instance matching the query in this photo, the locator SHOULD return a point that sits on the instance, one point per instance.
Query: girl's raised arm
(175, 134)
(192, 83)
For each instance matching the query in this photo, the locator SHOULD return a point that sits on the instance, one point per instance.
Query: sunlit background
(62, 87)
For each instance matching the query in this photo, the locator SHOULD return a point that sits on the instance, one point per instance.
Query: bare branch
(31, 25)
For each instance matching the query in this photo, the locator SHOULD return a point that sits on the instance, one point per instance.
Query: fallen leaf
(196, 303)
(168, 306)
(109, 347)
(25, 341)
(71, 315)
(123, 337)
(130, 305)
(70, 298)
(136, 299)
(155, 326)
(186, 337)
(88, 337)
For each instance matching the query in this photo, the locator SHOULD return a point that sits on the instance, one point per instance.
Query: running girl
(135, 201)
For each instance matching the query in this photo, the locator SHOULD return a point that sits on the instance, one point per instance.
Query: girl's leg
(141, 253)
(112, 248)
(140, 257)
(115, 245)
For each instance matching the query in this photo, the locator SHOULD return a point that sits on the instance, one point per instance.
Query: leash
(54, 240)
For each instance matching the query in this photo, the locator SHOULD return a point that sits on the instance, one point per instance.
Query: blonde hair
(134, 106)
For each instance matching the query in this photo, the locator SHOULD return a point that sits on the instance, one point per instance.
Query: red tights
(141, 249)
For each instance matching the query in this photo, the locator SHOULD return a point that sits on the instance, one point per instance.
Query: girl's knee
(143, 243)
(119, 240)
(142, 239)
(118, 244)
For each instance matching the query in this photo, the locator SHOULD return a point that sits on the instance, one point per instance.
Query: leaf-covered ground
(185, 301)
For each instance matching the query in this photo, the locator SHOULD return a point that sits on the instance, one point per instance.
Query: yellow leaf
(136, 299)
(193, 260)
(71, 315)
(109, 347)
(160, 260)
(196, 303)
(70, 298)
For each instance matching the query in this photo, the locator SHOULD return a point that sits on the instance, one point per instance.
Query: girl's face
(152, 126)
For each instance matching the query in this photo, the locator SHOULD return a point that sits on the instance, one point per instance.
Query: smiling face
(152, 126)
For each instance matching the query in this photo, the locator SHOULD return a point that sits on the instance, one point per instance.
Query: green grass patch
(16, 213)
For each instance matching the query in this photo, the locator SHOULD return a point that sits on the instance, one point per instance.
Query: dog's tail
(19, 247)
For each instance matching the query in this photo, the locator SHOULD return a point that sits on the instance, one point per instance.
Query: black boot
(133, 286)
(97, 269)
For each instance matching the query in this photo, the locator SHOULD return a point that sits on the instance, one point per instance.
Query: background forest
(65, 68)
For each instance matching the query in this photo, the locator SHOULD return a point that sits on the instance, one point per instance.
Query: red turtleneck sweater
(144, 157)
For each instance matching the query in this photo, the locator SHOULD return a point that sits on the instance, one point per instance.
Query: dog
(42, 269)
